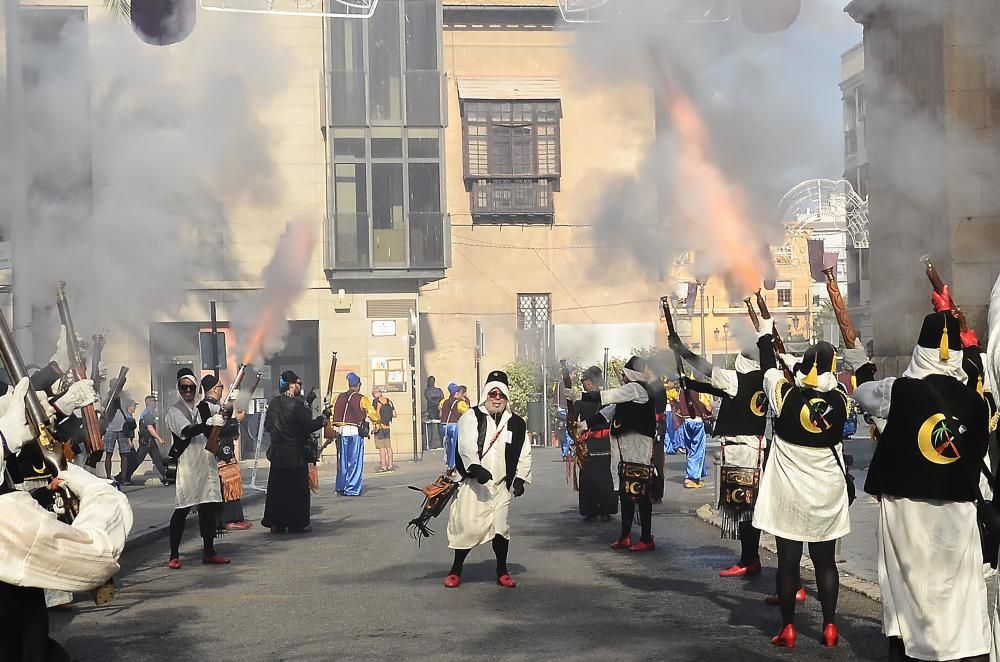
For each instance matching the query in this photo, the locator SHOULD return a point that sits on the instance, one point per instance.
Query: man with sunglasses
(495, 463)
(197, 471)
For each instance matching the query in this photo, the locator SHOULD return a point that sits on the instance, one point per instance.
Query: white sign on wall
(383, 327)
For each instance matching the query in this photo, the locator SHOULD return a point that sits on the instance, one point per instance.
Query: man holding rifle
(38, 551)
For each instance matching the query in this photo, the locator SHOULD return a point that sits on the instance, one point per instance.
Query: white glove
(81, 482)
(579, 427)
(789, 360)
(43, 399)
(766, 328)
(62, 349)
(215, 420)
(234, 395)
(855, 357)
(79, 394)
(14, 422)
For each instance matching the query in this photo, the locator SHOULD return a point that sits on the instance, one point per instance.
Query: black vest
(590, 411)
(635, 417)
(512, 452)
(918, 454)
(746, 412)
(810, 418)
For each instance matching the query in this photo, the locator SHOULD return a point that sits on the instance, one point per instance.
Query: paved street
(358, 587)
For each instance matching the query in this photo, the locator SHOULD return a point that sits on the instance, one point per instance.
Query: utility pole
(702, 286)
(18, 193)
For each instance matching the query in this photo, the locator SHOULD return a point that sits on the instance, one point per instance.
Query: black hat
(816, 360)
(287, 377)
(941, 331)
(186, 372)
(208, 382)
(594, 374)
(497, 376)
(636, 363)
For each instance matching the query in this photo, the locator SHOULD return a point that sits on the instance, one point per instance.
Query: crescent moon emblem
(758, 403)
(925, 442)
(805, 417)
(38, 470)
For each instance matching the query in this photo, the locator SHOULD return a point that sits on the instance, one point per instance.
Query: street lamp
(725, 338)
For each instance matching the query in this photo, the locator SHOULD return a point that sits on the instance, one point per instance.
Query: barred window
(533, 310)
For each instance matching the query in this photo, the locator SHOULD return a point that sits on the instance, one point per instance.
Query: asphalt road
(359, 588)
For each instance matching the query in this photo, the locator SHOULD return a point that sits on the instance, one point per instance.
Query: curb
(159, 531)
(851, 582)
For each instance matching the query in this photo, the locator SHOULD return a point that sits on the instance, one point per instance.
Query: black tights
(206, 525)
(897, 653)
(645, 517)
(500, 547)
(789, 581)
(749, 544)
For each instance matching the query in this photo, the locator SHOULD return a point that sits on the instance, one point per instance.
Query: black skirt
(287, 503)
(597, 490)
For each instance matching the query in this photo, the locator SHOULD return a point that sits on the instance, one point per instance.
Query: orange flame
(291, 261)
(709, 196)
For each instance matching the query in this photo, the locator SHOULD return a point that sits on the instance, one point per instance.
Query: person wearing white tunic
(38, 552)
(803, 488)
(631, 412)
(197, 471)
(494, 461)
(925, 471)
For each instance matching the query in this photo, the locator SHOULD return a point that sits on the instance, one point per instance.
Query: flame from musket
(284, 278)
(705, 194)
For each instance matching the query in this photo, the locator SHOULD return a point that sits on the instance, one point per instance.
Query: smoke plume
(772, 117)
(261, 321)
(138, 157)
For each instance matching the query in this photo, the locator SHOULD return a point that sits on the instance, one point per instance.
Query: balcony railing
(512, 197)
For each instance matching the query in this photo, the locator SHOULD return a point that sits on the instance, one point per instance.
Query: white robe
(197, 469)
(803, 492)
(480, 512)
(38, 550)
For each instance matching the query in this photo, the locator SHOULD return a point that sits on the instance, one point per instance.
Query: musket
(671, 331)
(840, 308)
(97, 341)
(580, 446)
(212, 444)
(91, 429)
(938, 284)
(779, 344)
(108, 412)
(752, 313)
(329, 432)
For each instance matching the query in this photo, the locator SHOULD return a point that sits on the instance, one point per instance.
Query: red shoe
(741, 571)
(215, 560)
(643, 546)
(174, 564)
(786, 638)
(800, 596)
(506, 581)
(830, 635)
(239, 526)
(452, 581)
(624, 543)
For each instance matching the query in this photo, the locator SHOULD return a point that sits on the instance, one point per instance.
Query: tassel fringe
(731, 520)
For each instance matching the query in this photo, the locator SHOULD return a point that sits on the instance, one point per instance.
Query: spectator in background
(386, 412)
(119, 435)
(432, 415)
(452, 409)
(150, 442)
(463, 393)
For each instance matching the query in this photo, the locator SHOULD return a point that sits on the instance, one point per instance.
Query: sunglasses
(187, 387)
(496, 394)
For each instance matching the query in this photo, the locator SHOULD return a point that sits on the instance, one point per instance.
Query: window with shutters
(512, 161)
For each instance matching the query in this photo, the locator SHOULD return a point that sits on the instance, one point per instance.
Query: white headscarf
(745, 364)
(489, 386)
(634, 376)
(926, 361)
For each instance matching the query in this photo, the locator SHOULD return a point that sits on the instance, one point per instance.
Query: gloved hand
(480, 473)
(79, 394)
(43, 400)
(327, 411)
(856, 356)
(517, 487)
(766, 328)
(62, 350)
(674, 342)
(788, 360)
(311, 396)
(941, 302)
(578, 427)
(969, 338)
(215, 420)
(234, 395)
(14, 422)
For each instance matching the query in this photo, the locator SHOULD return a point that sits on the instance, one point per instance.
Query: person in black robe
(597, 490)
(286, 507)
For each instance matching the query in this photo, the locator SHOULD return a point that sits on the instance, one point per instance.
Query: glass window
(350, 219)
(384, 81)
(347, 98)
(423, 148)
(423, 98)
(533, 310)
(388, 223)
(425, 187)
(784, 292)
(421, 35)
(349, 143)
(426, 220)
